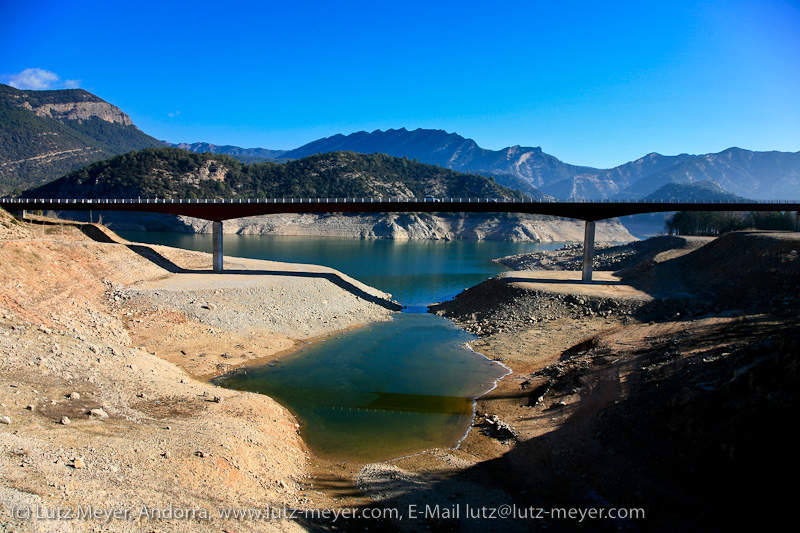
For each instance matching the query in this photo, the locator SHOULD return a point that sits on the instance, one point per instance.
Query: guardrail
(137, 201)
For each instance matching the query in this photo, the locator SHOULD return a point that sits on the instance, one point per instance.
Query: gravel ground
(518, 300)
(101, 403)
(298, 307)
(611, 257)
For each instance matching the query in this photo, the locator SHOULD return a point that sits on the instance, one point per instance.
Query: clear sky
(592, 83)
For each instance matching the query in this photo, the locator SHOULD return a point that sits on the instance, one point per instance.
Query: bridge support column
(588, 250)
(217, 256)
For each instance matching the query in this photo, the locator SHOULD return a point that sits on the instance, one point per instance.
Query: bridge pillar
(217, 256)
(588, 250)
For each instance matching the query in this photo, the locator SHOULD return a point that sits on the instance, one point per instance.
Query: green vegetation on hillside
(36, 149)
(702, 191)
(719, 222)
(39, 98)
(175, 173)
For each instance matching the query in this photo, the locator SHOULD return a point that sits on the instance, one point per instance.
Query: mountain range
(246, 155)
(744, 173)
(46, 134)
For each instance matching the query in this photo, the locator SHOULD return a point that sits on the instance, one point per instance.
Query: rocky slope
(104, 346)
(607, 256)
(45, 134)
(617, 401)
(388, 226)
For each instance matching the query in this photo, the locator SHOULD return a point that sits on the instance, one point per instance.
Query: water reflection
(390, 388)
(384, 390)
(415, 272)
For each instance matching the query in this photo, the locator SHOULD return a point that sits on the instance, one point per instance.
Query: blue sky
(592, 83)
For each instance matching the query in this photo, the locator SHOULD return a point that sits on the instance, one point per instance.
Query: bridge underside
(219, 210)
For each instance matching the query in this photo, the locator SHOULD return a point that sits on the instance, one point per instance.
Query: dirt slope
(677, 407)
(90, 415)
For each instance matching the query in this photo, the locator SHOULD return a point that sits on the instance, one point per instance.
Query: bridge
(219, 210)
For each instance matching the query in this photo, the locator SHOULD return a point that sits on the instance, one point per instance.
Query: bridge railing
(107, 201)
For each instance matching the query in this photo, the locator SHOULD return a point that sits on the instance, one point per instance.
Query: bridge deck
(220, 210)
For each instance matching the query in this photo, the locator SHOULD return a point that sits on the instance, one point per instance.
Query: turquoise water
(390, 388)
(416, 273)
(382, 391)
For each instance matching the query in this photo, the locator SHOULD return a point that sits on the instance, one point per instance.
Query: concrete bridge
(219, 210)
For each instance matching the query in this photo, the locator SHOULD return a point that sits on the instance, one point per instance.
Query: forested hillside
(175, 173)
(45, 134)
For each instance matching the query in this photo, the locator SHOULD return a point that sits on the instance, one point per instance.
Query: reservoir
(389, 388)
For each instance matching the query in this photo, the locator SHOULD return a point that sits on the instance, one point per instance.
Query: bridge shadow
(170, 266)
(96, 232)
(99, 234)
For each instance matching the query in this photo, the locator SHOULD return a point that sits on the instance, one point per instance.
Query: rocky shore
(662, 387)
(105, 346)
(479, 226)
(608, 256)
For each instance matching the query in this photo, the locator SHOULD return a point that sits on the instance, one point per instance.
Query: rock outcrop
(81, 111)
(46, 134)
(401, 226)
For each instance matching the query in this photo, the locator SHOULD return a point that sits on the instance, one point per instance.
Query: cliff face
(70, 104)
(81, 111)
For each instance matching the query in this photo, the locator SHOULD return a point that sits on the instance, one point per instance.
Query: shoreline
(647, 392)
(301, 344)
(398, 226)
(90, 333)
(308, 343)
(495, 384)
(100, 379)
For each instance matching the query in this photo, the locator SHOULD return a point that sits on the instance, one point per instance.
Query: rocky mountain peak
(73, 104)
